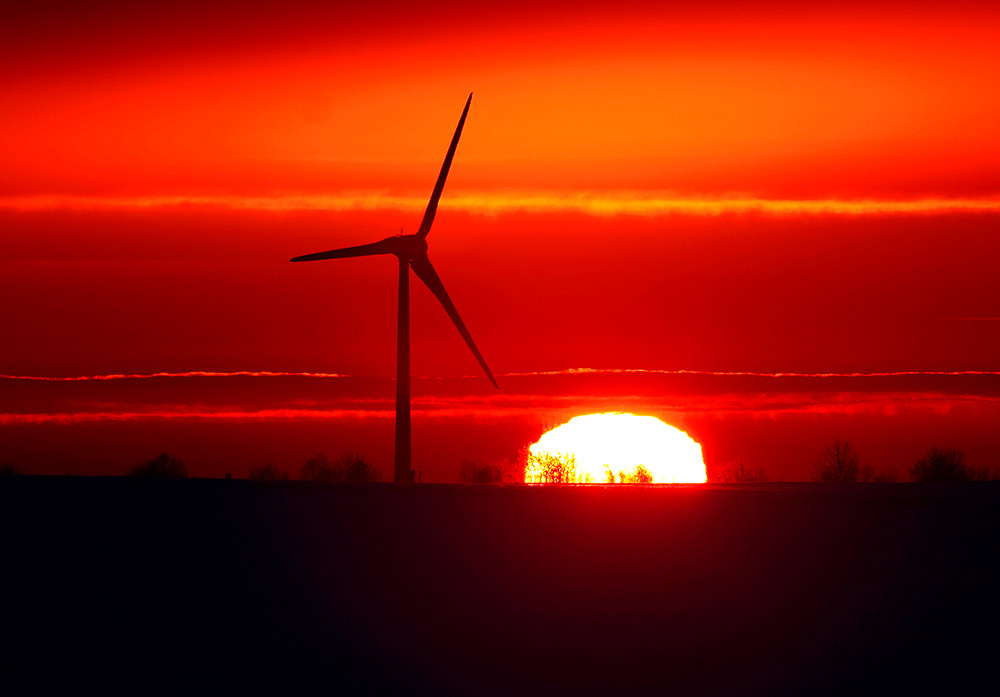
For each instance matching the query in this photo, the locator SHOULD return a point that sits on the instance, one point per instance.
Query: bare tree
(942, 465)
(838, 462)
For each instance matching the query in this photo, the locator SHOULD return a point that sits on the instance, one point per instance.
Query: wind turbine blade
(425, 224)
(426, 273)
(386, 246)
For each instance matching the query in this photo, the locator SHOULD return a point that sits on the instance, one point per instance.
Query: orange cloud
(495, 203)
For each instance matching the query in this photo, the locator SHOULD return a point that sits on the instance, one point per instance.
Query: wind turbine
(411, 251)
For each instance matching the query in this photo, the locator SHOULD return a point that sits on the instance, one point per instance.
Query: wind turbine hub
(410, 247)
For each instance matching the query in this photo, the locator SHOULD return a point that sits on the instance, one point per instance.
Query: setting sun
(615, 448)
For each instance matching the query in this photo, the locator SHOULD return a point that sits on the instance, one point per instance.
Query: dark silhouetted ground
(119, 583)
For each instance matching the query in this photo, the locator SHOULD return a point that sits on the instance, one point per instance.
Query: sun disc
(615, 447)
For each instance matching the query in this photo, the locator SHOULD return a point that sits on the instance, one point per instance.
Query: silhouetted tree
(163, 465)
(942, 465)
(838, 462)
(268, 472)
(356, 469)
(7, 469)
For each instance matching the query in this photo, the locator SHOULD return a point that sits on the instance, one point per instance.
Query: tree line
(348, 467)
(839, 461)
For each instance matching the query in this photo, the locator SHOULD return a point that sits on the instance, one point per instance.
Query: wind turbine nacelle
(409, 247)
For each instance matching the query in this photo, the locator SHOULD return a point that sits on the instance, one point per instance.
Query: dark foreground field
(233, 585)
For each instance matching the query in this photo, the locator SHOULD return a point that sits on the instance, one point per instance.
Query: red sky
(691, 187)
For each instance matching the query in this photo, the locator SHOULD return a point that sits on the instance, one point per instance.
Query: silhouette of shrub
(163, 465)
(472, 472)
(739, 471)
(356, 469)
(7, 470)
(318, 468)
(942, 465)
(640, 475)
(838, 462)
(349, 467)
(880, 477)
(268, 472)
(512, 468)
(551, 468)
(561, 468)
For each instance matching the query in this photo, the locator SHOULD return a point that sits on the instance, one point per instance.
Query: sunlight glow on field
(615, 448)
